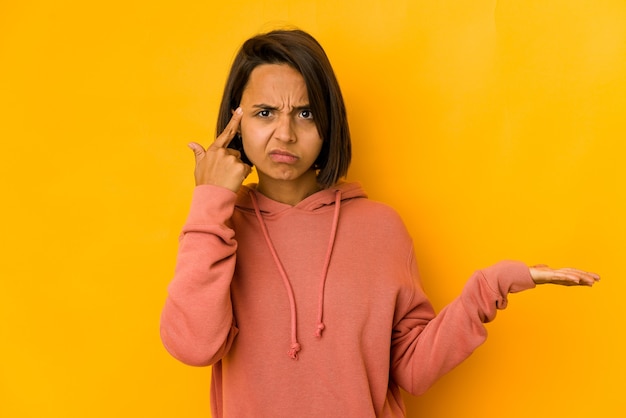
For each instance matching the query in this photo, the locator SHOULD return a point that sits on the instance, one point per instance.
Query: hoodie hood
(263, 207)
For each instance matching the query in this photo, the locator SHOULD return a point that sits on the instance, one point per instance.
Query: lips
(282, 156)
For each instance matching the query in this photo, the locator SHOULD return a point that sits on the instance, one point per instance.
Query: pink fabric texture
(257, 281)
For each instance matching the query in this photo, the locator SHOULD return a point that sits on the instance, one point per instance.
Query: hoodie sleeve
(197, 323)
(426, 346)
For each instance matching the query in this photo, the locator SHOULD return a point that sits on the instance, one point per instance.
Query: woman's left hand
(542, 274)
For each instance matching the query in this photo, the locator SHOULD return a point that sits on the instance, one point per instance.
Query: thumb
(197, 149)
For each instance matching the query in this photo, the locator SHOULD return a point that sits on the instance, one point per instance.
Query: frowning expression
(278, 128)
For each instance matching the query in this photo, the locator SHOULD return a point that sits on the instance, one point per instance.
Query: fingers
(576, 277)
(234, 152)
(581, 277)
(229, 132)
(568, 278)
(217, 164)
(565, 276)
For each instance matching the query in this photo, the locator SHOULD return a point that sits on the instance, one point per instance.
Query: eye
(264, 113)
(306, 114)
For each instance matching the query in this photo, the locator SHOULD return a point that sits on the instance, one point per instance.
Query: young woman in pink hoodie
(301, 293)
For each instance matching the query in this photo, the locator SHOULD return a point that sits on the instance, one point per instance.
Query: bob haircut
(302, 52)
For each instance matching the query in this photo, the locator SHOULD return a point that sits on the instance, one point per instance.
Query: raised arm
(197, 323)
(425, 346)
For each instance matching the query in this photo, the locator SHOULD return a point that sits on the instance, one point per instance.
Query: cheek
(317, 142)
(254, 144)
(252, 136)
(319, 150)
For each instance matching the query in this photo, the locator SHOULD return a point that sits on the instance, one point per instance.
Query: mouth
(282, 156)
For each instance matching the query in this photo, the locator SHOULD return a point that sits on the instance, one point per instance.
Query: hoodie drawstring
(329, 252)
(295, 345)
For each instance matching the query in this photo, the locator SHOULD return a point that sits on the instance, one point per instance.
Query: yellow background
(497, 129)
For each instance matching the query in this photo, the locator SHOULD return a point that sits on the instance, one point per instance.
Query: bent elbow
(189, 355)
(193, 353)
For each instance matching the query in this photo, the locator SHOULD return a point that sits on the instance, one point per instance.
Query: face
(278, 129)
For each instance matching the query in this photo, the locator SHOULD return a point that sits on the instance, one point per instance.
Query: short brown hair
(301, 51)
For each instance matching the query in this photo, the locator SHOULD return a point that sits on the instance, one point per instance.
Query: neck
(290, 192)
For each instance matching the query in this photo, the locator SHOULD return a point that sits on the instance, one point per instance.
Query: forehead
(278, 81)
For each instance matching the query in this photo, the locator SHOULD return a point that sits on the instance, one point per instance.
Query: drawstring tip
(293, 353)
(320, 328)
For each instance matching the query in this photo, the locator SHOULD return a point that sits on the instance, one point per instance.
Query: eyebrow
(305, 106)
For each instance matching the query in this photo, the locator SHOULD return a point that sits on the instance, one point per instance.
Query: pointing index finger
(229, 132)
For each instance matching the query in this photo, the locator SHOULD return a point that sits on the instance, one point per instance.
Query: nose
(284, 130)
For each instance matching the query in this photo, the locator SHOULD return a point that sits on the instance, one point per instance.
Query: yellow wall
(497, 129)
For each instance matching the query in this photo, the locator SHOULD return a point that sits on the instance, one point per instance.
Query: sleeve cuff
(509, 277)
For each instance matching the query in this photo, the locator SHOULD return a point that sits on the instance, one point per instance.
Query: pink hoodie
(316, 310)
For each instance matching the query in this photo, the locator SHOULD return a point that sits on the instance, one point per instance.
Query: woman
(302, 266)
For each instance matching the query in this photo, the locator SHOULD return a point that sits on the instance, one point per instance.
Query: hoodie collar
(319, 200)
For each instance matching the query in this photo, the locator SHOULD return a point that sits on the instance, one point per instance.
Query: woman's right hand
(219, 165)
